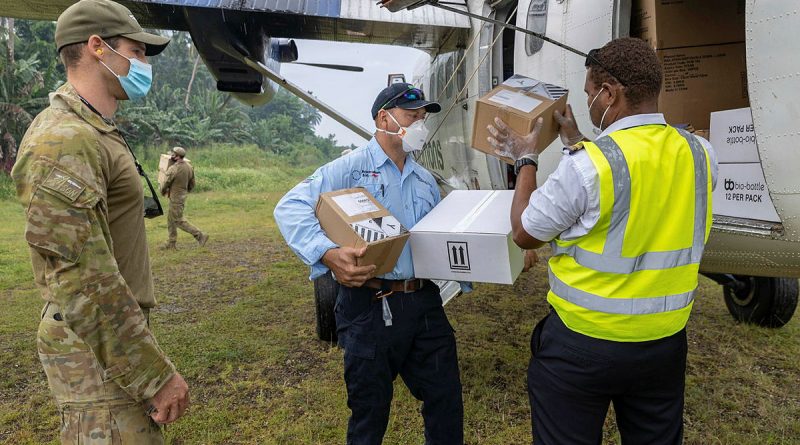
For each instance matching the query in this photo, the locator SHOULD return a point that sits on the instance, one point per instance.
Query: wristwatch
(531, 159)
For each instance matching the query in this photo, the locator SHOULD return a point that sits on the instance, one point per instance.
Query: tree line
(183, 108)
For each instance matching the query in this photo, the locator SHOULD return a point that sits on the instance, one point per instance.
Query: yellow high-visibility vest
(633, 277)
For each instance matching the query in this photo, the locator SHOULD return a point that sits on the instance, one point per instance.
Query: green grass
(237, 318)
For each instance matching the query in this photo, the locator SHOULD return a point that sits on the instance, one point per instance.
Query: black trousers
(419, 346)
(572, 378)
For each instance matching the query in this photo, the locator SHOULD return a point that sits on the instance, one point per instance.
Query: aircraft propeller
(329, 66)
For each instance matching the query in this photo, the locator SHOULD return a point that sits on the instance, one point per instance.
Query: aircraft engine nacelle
(223, 39)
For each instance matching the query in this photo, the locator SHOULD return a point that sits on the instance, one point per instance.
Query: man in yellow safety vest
(627, 215)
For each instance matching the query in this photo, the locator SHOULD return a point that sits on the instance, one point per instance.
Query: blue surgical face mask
(139, 79)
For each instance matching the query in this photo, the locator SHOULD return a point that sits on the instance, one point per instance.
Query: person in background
(177, 186)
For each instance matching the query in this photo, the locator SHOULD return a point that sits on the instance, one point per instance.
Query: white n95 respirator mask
(414, 136)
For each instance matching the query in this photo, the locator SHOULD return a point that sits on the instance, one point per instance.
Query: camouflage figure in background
(84, 204)
(179, 183)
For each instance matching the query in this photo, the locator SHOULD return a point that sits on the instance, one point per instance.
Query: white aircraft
(757, 262)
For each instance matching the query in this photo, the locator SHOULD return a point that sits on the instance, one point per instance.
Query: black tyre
(765, 301)
(325, 291)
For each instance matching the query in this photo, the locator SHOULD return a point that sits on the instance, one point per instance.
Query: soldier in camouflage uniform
(83, 197)
(179, 182)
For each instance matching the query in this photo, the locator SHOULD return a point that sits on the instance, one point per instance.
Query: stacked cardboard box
(700, 44)
(742, 191)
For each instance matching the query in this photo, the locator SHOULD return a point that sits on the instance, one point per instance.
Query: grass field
(237, 318)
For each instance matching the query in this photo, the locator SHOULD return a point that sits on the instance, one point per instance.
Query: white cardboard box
(467, 237)
(742, 192)
(733, 136)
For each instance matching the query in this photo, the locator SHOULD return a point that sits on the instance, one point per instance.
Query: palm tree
(22, 94)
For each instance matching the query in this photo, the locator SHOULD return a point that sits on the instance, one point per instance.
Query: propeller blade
(329, 66)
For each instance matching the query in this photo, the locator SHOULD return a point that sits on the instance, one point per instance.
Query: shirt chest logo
(367, 175)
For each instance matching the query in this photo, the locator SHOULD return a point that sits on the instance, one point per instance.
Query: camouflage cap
(180, 151)
(105, 19)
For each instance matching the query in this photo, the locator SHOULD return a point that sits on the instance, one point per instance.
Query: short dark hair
(633, 59)
(71, 54)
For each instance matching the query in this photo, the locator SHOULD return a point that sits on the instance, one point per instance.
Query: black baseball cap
(405, 96)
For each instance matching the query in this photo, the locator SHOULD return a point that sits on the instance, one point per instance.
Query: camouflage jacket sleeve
(168, 182)
(61, 184)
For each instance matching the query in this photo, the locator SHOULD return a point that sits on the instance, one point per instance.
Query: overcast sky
(352, 94)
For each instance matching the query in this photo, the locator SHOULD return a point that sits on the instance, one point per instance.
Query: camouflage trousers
(93, 411)
(175, 221)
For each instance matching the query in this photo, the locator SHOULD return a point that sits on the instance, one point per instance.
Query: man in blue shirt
(392, 324)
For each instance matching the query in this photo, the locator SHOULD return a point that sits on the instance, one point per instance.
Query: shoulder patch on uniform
(62, 183)
(310, 179)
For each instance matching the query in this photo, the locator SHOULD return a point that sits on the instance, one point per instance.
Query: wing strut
(313, 101)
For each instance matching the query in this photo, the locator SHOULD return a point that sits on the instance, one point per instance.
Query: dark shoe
(169, 245)
(202, 240)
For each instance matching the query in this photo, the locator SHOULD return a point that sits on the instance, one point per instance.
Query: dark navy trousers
(420, 346)
(572, 379)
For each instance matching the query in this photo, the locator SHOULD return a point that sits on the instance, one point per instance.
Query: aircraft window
(432, 86)
(449, 65)
(441, 80)
(537, 21)
(461, 74)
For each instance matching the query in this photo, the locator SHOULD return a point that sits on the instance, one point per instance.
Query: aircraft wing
(362, 21)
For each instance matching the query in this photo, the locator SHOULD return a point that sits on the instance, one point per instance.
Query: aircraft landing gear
(765, 301)
(325, 291)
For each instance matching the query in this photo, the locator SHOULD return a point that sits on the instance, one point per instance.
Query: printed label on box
(733, 136)
(354, 204)
(742, 192)
(459, 255)
(515, 100)
(376, 229)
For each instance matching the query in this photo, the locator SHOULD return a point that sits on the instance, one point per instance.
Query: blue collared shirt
(409, 196)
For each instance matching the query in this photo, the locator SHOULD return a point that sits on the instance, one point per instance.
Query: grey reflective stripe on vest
(623, 306)
(611, 260)
(701, 194)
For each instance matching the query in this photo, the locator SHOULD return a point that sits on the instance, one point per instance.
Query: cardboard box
(733, 136)
(163, 164)
(742, 192)
(681, 23)
(519, 102)
(701, 80)
(467, 237)
(354, 218)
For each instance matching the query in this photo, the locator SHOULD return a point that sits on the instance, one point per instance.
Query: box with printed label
(354, 218)
(467, 237)
(742, 192)
(680, 23)
(701, 80)
(519, 102)
(733, 136)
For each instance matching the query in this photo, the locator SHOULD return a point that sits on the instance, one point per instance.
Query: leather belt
(405, 286)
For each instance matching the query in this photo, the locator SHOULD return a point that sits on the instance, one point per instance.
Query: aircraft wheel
(325, 291)
(765, 301)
